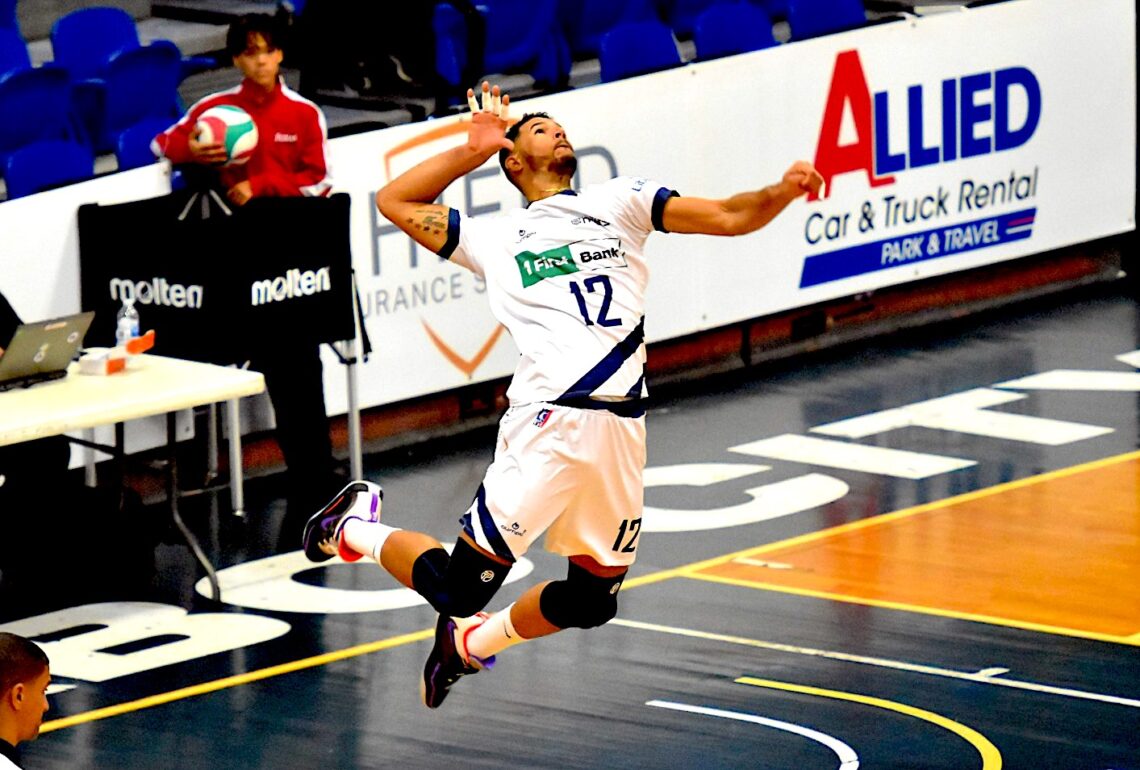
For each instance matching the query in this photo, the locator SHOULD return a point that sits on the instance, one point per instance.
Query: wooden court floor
(921, 552)
(1055, 553)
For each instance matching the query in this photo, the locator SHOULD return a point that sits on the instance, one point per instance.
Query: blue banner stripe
(917, 247)
(606, 368)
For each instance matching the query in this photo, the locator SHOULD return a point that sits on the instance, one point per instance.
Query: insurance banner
(948, 142)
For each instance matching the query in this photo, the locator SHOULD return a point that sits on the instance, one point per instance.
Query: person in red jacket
(291, 159)
(292, 151)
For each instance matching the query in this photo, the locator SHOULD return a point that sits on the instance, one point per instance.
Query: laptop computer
(42, 350)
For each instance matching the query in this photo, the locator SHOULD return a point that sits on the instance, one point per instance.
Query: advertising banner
(217, 289)
(948, 142)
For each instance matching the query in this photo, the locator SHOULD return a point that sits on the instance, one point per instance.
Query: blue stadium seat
(13, 51)
(681, 15)
(36, 105)
(637, 48)
(132, 150)
(732, 28)
(812, 18)
(8, 14)
(776, 9)
(585, 21)
(519, 36)
(140, 83)
(84, 40)
(45, 164)
(452, 52)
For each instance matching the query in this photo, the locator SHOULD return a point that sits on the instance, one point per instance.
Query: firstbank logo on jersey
(571, 258)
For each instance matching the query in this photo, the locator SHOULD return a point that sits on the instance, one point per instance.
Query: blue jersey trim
(631, 408)
(635, 391)
(487, 525)
(560, 192)
(452, 241)
(659, 199)
(608, 366)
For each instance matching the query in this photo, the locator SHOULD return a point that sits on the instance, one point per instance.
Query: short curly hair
(513, 134)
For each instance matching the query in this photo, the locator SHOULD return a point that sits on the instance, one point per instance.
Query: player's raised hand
(489, 121)
(804, 177)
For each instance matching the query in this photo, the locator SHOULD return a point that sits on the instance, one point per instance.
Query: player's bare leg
(458, 585)
(526, 618)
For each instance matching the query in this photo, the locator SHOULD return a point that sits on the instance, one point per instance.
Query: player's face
(259, 62)
(544, 142)
(31, 716)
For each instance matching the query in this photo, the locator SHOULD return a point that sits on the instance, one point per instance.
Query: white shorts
(577, 474)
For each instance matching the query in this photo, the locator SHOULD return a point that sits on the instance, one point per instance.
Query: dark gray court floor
(692, 673)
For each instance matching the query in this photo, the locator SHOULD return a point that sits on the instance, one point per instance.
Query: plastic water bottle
(126, 322)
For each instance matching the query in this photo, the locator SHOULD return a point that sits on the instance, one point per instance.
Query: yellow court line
(237, 679)
(977, 618)
(656, 577)
(983, 677)
(991, 757)
(287, 668)
(887, 518)
(692, 570)
(874, 521)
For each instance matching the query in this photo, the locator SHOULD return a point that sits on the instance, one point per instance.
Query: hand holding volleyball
(224, 134)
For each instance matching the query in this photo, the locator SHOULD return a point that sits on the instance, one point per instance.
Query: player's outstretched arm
(744, 212)
(408, 200)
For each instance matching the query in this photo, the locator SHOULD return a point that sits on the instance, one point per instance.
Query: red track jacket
(292, 150)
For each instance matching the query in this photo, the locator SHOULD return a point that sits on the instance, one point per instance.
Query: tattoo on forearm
(428, 220)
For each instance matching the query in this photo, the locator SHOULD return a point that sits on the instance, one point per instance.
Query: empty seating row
(101, 83)
(543, 37)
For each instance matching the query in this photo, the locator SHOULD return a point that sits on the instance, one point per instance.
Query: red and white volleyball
(233, 128)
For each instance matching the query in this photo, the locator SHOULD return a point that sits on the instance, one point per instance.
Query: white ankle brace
(496, 634)
(366, 537)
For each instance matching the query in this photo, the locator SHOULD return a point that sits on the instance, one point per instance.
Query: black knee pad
(582, 600)
(459, 585)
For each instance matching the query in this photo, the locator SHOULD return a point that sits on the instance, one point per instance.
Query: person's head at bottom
(24, 679)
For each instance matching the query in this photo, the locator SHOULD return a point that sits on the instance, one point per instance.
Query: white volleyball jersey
(567, 277)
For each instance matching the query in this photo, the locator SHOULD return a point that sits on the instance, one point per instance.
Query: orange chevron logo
(431, 135)
(467, 366)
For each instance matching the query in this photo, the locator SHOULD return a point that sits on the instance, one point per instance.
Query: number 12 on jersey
(591, 284)
(626, 541)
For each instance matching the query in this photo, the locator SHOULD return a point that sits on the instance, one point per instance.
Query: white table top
(150, 385)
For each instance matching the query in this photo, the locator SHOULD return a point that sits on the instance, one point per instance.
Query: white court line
(1132, 359)
(761, 563)
(1077, 380)
(848, 759)
(985, 676)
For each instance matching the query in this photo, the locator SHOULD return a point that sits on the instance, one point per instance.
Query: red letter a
(848, 86)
